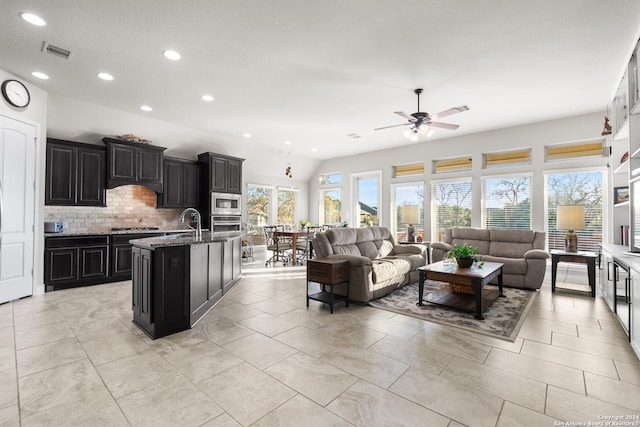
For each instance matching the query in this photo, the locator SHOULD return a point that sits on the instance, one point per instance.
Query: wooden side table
(328, 272)
(588, 258)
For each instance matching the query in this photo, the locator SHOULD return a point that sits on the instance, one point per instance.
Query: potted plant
(304, 224)
(464, 255)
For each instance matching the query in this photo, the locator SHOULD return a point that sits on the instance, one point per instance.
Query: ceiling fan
(421, 123)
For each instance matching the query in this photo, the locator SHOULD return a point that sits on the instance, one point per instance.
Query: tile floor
(261, 358)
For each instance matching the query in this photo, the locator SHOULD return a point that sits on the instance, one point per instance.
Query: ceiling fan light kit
(422, 123)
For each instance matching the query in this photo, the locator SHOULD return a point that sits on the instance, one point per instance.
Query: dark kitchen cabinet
(75, 261)
(222, 174)
(131, 163)
(75, 174)
(161, 304)
(121, 254)
(174, 286)
(181, 183)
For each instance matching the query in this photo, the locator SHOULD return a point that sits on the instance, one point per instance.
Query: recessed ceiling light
(171, 54)
(33, 19)
(105, 76)
(246, 135)
(208, 98)
(40, 75)
(314, 149)
(287, 142)
(146, 108)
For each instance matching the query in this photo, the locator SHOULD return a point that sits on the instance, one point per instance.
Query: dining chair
(280, 248)
(305, 247)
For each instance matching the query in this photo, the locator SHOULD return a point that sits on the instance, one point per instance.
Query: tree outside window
(507, 203)
(452, 207)
(580, 188)
(286, 207)
(331, 206)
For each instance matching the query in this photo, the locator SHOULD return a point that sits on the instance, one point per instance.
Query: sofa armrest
(536, 254)
(445, 247)
(354, 260)
(408, 249)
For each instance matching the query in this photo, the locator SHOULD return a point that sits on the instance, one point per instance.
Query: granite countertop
(183, 240)
(108, 231)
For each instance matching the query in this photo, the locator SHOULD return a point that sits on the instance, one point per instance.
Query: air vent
(56, 51)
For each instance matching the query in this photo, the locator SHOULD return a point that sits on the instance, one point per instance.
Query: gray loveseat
(377, 265)
(521, 251)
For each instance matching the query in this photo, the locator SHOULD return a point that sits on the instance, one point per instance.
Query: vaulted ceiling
(313, 72)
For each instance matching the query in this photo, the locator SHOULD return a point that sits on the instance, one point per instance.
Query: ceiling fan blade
(406, 116)
(451, 111)
(392, 126)
(444, 125)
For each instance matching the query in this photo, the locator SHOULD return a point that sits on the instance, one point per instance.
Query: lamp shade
(570, 217)
(411, 214)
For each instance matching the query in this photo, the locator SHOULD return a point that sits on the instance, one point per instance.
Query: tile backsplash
(127, 206)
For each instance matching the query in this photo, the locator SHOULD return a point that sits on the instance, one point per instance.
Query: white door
(17, 208)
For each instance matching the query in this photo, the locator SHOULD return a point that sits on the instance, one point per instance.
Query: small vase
(464, 262)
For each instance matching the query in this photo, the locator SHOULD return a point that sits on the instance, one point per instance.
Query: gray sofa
(521, 251)
(377, 265)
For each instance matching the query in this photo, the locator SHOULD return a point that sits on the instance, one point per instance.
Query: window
(286, 206)
(367, 199)
(330, 178)
(574, 151)
(512, 158)
(452, 165)
(258, 205)
(578, 188)
(506, 203)
(331, 206)
(406, 170)
(451, 206)
(409, 199)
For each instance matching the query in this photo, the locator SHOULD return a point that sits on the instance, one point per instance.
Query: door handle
(627, 290)
(608, 271)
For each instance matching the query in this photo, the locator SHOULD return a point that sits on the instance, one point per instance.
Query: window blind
(452, 165)
(451, 203)
(580, 188)
(506, 203)
(494, 160)
(406, 170)
(574, 151)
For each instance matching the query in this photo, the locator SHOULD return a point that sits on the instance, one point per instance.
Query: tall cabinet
(623, 293)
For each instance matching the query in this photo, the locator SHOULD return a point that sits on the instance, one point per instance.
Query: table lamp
(570, 218)
(410, 216)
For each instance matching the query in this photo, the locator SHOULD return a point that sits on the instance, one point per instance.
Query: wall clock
(16, 93)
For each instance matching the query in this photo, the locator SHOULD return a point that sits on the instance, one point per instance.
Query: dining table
(294, 235)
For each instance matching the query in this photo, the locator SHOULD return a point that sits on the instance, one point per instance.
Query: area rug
(503, 319)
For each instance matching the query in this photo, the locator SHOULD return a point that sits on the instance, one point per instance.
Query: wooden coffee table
(473, 277)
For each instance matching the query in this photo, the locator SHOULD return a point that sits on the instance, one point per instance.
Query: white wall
(80, 121)
(35, 113)
(534, 136)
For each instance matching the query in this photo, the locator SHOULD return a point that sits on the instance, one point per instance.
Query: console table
(328, 272)
(588, 258)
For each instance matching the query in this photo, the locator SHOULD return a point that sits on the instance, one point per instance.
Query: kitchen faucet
(194, 214)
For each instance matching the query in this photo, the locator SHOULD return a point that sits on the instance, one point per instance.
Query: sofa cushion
(415, 260)
(511, 265)
(385, 269)
(481, 245)
(510, 243)
(372, 242)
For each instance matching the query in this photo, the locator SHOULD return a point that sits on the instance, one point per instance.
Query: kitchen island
(177, 279)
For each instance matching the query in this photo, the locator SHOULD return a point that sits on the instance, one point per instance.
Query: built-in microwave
(226, 204)
(221, 224)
